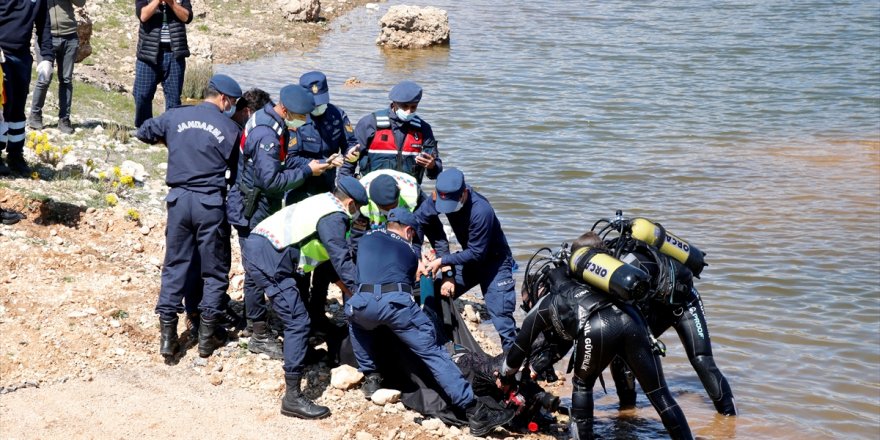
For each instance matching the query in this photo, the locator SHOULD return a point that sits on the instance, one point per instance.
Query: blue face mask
(230, 112)
(404, 115)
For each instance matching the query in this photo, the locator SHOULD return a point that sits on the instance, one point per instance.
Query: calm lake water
(751, 129)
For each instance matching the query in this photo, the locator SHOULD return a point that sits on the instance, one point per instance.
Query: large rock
(345, 377)
(84, 32)
(200, 48)
(413, 27)
(300, 10)
(135, 170)
(384, 395)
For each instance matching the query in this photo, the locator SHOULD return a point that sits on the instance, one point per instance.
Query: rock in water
(383, 396)
(413, 27)
(300, 10)
(345, 377)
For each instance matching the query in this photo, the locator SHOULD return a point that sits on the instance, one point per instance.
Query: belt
(385, 288)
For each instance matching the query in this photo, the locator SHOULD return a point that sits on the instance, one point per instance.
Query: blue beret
(450, 187)
(225, 85)
(403, 216)
(350, 186)
(297, 99)
(316, 83)
(384, 190)
(406, 91)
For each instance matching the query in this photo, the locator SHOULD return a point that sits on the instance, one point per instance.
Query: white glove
(44, 71)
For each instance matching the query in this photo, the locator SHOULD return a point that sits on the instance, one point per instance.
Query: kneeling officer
(387, 265)
(301, 236)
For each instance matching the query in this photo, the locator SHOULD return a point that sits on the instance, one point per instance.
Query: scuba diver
(672, 302)
(598, 320)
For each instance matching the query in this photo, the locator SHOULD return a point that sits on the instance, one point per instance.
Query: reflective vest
(297, 225)
(384, 153)
(409, 195)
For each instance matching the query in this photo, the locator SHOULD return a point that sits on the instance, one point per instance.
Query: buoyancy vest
(297, 225)
(409, 195)
(383, 151)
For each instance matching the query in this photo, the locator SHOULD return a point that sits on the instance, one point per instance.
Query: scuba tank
(655, 235)
(609, 274)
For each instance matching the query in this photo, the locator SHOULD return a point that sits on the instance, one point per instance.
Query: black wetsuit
(685, 313)
(602, 330)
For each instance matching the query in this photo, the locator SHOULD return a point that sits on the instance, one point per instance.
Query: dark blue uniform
(485, 260)
(386, 262)
(273, 271)
(261, 166)
(201, 148)
(19, 20)
(364, 133)
(322, 136)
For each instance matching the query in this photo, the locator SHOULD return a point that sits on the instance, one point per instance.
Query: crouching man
(299, 237)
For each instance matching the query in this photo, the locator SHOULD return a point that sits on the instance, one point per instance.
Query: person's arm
(270, 173)
(331, 231)
(535, 322)
(432, 170)
(479, 235)
(43, 32)
(145, 9)
(431, 226)
(363, 134)
(78, 3)
(183, 10)
(152, 131)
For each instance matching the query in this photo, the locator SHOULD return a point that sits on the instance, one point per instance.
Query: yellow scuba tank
(655, 235)
(609, 274)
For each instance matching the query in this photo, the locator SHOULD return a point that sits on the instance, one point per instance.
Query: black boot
(18, 165)
(10, 217)
(64, 126)
(4, 170)
(372, 383)
(262, 341)
(483, 420)
(295, 404)
(193, 320)
(168, 344)
(211, 336)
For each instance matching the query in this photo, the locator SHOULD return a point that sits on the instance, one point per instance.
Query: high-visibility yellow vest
(297, 225)
(409, 195)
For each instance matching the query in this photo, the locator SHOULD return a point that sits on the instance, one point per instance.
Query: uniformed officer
(335, 134)
(485, 259)
(396, 138)
(19, 20)
(201, 144)
(387, 265)
(300, 237)
(268, 171)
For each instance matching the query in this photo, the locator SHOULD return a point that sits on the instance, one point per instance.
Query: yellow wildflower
(35, 175)
(111, 199)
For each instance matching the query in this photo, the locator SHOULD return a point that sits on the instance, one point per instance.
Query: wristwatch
(448, 273)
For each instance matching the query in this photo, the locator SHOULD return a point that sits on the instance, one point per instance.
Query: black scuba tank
(609, 274)
(657, 236)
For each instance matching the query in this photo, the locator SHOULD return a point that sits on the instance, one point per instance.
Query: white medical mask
(404, 115)
(294, 123)
(458, 206)
(319, 110)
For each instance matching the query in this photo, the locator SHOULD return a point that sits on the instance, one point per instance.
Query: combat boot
(372, 383)
(211, 336)
(483, 420)
(168, 344)
(262, 341)
(193, 319)
(295, 404)
(4, 170)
